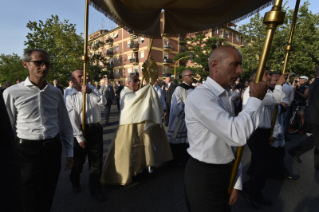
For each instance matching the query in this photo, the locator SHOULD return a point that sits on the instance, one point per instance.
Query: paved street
(163, 192)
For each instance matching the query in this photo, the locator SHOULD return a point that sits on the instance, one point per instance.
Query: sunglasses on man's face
(40, 63)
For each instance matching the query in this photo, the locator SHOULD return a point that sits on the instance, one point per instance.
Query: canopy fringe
(111, 15)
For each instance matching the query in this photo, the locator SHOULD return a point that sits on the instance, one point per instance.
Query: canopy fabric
(181, 16)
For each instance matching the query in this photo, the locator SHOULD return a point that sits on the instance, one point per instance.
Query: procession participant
(177, 131)
(213, 130)
(140, 140)
(92, 143)
(38, 116)
(68, 90)
(108, 92)
(56, 84)
(168, 92)
(278, 146)
(259, 142)
(312, 119)
(118, 89)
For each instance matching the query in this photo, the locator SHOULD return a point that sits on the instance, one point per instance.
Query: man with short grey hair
(40, 120)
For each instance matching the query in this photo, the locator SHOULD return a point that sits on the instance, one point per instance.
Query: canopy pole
(272, 19)
(288, 48)
(85, 63)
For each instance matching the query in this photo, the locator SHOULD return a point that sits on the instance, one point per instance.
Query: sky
(15, 14)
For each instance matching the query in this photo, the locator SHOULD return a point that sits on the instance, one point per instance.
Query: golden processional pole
(272, 19)
(85, 61)
(288, 48)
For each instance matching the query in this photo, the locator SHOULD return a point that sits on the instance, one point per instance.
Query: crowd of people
(206, 122)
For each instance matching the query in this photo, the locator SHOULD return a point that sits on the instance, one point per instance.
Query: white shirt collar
(28, 83)
(215, 87)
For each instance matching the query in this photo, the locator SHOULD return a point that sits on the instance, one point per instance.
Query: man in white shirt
(92, 143)
(213, 130)
(39, 118)
(68, 90)
(177, 131)
(260, 142)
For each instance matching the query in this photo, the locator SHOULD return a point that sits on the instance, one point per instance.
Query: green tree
(303, 59)
(11, 68)
(201, 46)
(61, 41)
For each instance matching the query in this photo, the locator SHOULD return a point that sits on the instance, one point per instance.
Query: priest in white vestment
(140, 140)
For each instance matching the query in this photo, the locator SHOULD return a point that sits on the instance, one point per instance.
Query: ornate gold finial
(150, 71)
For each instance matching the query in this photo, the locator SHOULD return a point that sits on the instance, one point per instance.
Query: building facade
(127, 52)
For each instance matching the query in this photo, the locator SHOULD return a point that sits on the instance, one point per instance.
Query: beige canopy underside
(181, 16)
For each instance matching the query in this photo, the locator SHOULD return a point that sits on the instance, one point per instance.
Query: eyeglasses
(40, 63)
(189, 75)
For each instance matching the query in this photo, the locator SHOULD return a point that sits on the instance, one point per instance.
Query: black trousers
(107, 110)
(118, 103)
(261, 161)
(279, 167)
(94, 150)
(168, 108)
(180, 153)
(206, 186)
(40, 169)
(307, 144)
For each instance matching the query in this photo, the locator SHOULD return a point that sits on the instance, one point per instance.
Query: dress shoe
(99, 196)
(262, 200)
(249, 199)
(76, 188)
(292, 177)
(296, 157)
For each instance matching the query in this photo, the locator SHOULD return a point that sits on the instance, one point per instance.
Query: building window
(129, 70)
(220, 31)
(165, 56)
(142, 39)
(136, 70)
(116, 35)
(165, 41)
(216, 30)
(117, 60)
(165, 70)
(128, 43)
(142, 54)
(226, 34)
(116, 48)
(237, 38)
(129, 57)
(117, 73)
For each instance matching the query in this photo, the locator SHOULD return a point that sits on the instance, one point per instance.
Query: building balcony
(134, 61)
(222, 36)
(167, 47)
(109, 53)
(111, 65)
(134, 46)
(167, 61)
(109, 40)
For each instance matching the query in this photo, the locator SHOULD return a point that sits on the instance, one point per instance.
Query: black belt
(91, 125)
(212, 164)
(39, 143)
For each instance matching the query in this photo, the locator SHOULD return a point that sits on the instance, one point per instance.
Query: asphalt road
(164, 191)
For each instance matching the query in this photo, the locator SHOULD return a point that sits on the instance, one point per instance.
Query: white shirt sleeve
(74, 118)
(275, 97)
(232, 130)
(97, 97)
(239, 182)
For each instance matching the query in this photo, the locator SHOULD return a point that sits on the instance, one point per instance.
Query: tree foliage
(61, 41)
(305, 56)
(11, 68)
(201, 46)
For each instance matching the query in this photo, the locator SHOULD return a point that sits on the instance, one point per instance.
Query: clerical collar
(185, 86)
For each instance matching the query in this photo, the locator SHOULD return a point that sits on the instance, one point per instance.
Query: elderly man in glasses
(177, 131)
(140, 140)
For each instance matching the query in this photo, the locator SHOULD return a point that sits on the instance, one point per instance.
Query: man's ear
(214, 65)
(25, 64)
